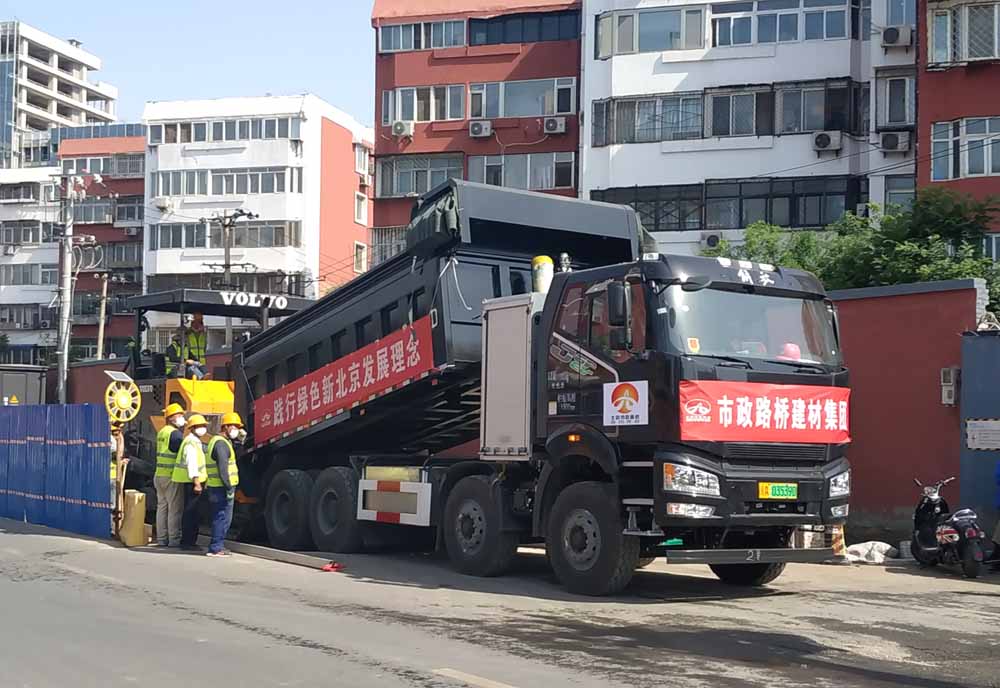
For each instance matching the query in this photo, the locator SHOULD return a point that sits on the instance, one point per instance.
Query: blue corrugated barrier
(54, 467)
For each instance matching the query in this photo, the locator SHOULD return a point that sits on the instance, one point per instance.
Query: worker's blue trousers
(222, 516)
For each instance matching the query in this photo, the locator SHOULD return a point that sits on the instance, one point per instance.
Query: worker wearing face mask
(223, 477)
(169, 495)
(190, 472)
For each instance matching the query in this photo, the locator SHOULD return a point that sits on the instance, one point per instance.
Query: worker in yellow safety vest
(223, 477)
(176, 353)
(169, 495)
(196, 345)
(191, 474)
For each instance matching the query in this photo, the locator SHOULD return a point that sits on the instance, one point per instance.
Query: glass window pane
(231, 130)
(814, 25)
(270, 128)
(515, 171)
(513, 30)
(836, 24)
(940, 30)
(659, 30)
(722, 213)
(569, 26)
(780, 212)
(694, 27)
(255, 128)
(493, 100)
(814, 110)
(788, 27)
(995, 157)
(529, 98)
(720, 115)
(982, 31)
(897, 100)
(200, 131)
(244, 130)
(975, 126)
(406, 104)
(283, 128)
(423, 104)
(550, 27)
(456, 102)
(835, 206)
(754, 210)
(743, 112)
(533, 29)
(742, 27)
(977, 157)
(605, 35)
(722, 32)
(791, 111)
(809, 211)
(440, 103)
(241, 184)
(626, 33)
(541, 171)
(646, 121)
(767, 28)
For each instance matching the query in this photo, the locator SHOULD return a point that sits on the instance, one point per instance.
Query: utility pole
(101, 312)
(66, 285)
(228, 222)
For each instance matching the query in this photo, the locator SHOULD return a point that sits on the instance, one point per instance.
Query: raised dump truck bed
(326, 377)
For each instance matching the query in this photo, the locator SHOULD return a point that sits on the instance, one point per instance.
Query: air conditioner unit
(10, 250)
(950, 376)
(18, 326)
(132, 231)
(480, 129)
(162, 203)
(897, 37)
(45, 325)
(710, 239)
(363, 180)
(401, 128)
(894, 141)
(554, 125)
(827, 141)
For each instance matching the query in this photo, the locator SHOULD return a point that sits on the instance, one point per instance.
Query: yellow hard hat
(196, 420)
(231, 418)
(172, 410)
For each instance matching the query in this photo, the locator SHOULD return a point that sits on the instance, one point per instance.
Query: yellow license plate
(777, 491)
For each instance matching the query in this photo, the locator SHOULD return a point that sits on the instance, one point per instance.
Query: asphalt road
(77, 612)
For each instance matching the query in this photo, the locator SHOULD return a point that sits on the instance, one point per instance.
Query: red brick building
(485, 90)
(111, 161)
(958, 86)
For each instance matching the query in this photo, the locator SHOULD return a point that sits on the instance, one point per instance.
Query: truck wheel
(333, 511)
(586, 547)
(286, 514)
(752, 575)
(644, 562)
(472, 535)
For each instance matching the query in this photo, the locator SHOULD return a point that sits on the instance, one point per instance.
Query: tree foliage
(940, 238)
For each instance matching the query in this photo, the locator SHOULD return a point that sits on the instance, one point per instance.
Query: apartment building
(110, 161)
(45, 82)
(298, 164)
(482, 90)
(959, 86)
(707, 117)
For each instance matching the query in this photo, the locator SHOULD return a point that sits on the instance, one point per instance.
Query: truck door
(568, 336)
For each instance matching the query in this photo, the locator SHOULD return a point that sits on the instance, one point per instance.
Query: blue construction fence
(55, 467)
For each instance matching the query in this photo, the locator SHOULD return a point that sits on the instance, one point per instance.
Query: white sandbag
(871, 552)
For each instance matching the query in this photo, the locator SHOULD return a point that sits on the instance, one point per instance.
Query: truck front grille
(775, 507)
(814, 453)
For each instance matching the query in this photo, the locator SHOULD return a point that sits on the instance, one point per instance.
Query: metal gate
(980, 405)
(55, 467)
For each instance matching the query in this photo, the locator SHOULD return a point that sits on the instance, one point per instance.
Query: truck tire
(472, 535)
(286, 513)
(587, 549)
(333, 511)
(644, 562)
(752, 575)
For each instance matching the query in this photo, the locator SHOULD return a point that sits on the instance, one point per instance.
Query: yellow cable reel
(122, 398)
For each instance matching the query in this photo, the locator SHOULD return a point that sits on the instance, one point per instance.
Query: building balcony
(64, 99)
(45, 116)
(98, 87)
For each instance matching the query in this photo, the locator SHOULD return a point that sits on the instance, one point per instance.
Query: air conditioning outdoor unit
(10, 250)
(710, 239)
(897, 37)
(162, 203)
(131, 231)
(401, 128)
(827, 141)
(555, 125)
(363, 180)
(481, 129)
(894, 141)
(45, 325)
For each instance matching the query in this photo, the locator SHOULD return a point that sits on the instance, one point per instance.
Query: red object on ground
(333, 566)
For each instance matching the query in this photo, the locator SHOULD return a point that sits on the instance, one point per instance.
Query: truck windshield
(713, 322)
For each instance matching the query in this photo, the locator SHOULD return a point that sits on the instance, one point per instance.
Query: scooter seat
(963, 515)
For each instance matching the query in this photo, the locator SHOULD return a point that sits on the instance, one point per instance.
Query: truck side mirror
(618, 339)
(617, 304)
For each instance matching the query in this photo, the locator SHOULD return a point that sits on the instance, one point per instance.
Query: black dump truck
(637, 406)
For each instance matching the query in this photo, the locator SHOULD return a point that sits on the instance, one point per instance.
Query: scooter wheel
(972, 559)
(919, 555)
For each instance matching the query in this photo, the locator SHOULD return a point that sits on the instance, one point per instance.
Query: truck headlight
(840, 484)
(680, 478)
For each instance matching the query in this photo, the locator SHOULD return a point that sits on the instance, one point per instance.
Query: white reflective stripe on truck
(392, 501)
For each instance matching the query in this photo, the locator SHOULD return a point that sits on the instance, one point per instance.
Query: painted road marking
(471, 679)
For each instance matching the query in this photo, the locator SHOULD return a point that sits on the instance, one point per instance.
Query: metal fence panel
(34, 467)
(55, 467)
(16, 477)
(5, 421)
(96, 469)
(73, 510)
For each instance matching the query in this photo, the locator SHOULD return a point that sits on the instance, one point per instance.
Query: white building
(707, 117)
(29, 263)
(297, 163)
(44, 83)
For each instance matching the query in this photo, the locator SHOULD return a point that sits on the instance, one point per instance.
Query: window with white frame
(360, 257)
(129, 209)
(50, 273)
(902, 12)
(361, 208)
(735, 27)
(21, 274)
(965, 33)
(245, 129)
(965, 148)
(640, 120)
(536, 171)
(899, 107)
(733, 114)
(991, 246)
(360, 158)
(388, 108)
(900, 191)
(422, 36)
(822, 23)
(20, 232)
(410, 175)
(429, 103)
(802, 110)
(177, 235)
(535, 98)
(650, 30)
(777, 21)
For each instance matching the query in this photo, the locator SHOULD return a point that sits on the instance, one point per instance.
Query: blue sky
(185, 49)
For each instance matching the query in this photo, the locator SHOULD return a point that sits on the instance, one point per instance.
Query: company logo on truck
(626, 403)
(698, 411)
(247, 298)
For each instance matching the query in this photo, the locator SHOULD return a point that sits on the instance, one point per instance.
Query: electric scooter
(942, 537)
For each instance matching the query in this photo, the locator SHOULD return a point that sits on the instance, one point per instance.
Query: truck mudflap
(811, 555)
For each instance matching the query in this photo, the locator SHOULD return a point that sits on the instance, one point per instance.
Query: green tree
(941, 238)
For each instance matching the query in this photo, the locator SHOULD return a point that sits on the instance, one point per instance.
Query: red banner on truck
(352, 379)
(720, 411)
